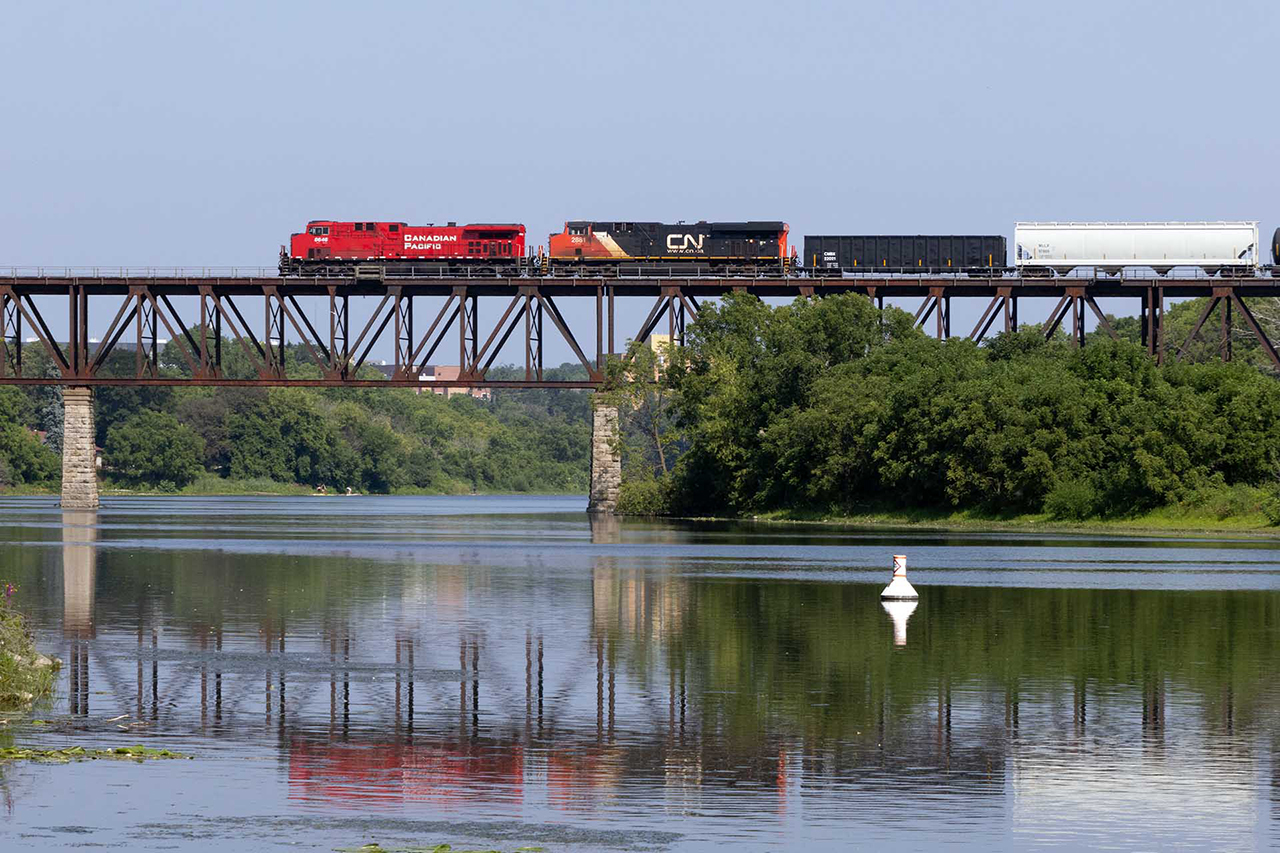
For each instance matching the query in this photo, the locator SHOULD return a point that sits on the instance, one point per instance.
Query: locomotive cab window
(393, 227)
(577, 230)
(359, 226)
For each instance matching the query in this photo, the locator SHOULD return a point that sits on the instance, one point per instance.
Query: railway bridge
(259, 314)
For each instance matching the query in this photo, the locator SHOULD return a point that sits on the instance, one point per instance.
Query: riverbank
(1176, 521)
(212, 486)
(26, 676)
(1239, 509)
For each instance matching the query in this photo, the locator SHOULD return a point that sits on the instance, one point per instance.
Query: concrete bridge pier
(606, 460)
(79, 458)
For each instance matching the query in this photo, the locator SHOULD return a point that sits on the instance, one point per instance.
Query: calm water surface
(505, 672)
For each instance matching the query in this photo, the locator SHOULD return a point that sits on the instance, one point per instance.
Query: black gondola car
(835, 255)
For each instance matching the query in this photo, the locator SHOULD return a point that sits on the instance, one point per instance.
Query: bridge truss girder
(144, 310)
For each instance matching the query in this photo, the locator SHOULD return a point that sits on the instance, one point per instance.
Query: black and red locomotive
(613, 248)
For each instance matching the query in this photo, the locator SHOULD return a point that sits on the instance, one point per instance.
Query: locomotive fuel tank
(1112, 246)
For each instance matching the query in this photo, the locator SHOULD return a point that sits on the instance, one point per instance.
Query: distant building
(660, 344)
(449, 372)
(439, 373)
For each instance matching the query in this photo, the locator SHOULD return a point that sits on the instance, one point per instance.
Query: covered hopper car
(589, 247)
(1044, 248)
(328, 247)
(836, 255)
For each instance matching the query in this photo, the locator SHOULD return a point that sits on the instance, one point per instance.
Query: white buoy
(899, 589)
(900, 611)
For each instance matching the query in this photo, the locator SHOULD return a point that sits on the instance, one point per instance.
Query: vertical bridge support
(606, 459)
(79, 468)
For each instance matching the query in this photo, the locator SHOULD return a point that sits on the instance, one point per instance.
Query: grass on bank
(1243, 509)
(26, 676)
(211, 485)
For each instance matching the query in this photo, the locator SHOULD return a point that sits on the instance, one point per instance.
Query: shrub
(645, 495)
(1271, 505)
(25, 675)
(1071, 500)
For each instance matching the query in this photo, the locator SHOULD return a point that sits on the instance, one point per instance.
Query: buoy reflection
(899, 612)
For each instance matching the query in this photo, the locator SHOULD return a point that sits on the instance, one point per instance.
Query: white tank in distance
(1111, 246)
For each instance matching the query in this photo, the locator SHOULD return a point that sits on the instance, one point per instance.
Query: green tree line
(829, 404)
(369, 439)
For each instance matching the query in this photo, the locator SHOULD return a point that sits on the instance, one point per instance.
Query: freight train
(610, 249)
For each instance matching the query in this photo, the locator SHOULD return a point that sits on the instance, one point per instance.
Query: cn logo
(684, 242)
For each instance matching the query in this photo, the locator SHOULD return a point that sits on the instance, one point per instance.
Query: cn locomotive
(654, 248)
(761, 249)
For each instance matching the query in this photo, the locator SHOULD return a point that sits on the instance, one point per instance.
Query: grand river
(505, 672)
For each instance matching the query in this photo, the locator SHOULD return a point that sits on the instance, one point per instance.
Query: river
(505, 672)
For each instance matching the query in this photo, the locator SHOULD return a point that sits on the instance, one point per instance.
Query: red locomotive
(397, 248)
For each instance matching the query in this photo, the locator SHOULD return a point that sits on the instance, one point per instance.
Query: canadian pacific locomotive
(397, 248)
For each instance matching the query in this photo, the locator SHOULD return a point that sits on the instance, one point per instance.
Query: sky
(184, 134)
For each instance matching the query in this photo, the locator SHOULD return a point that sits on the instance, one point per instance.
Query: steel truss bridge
(260, 314)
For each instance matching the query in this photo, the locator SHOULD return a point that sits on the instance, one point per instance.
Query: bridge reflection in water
(672, 682)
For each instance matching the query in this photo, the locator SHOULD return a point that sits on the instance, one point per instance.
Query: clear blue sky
(204, 134)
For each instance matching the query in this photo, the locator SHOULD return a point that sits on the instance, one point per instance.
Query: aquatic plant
(434, 848)
(79, 753)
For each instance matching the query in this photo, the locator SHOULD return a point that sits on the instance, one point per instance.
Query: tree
(23, 459)
(152, 448)
(637, 386)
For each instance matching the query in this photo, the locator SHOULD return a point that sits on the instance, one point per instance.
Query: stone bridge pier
(79, 456)
(606, 459)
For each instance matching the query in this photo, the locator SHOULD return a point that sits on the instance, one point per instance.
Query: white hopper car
(1044, 248)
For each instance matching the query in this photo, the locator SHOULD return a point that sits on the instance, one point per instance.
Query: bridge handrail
(136, 272)
(252, 272)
